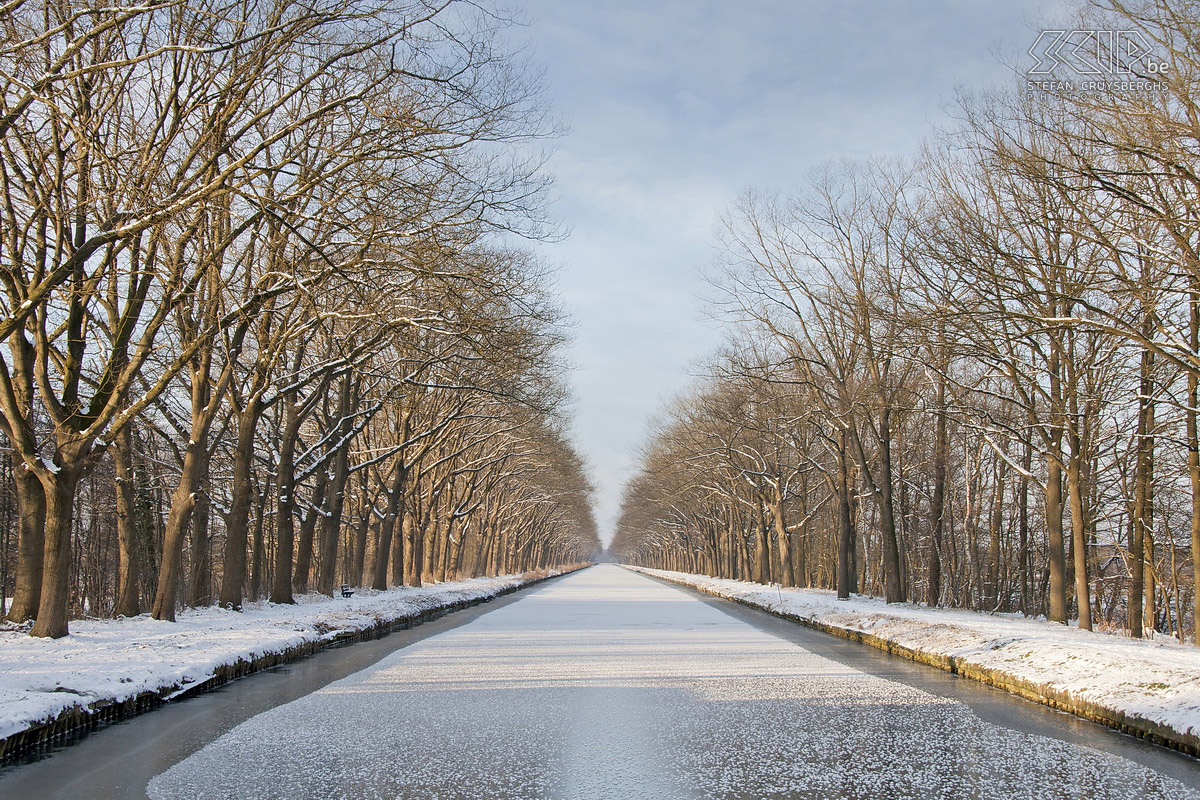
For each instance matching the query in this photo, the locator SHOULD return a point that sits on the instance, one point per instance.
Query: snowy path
(607, 684)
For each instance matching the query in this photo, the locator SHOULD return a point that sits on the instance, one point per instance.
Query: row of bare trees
(258, 301)
(971, 379)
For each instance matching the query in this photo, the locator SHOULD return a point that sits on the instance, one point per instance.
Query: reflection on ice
(609, 685)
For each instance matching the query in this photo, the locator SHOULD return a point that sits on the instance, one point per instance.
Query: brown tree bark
(259, 576)
(1054, 540)
(1079, 534)
(237, 521)
(285, 531)
(356, 563)
(881, 489)
(1023, 569)
(845, 552)
(787, 573)
(1193, 453)
(201, 562)
(391, 545)
(308, 527)
(937, 503)
(994, 528)
(183, 501)
(1054, 495)
(762, 550)
(1143, 502)
(331, 520)
(59, 487)
(128, 602)
(31, 541)
(414, 549)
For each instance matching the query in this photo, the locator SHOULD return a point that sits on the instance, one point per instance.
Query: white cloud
(676, 106)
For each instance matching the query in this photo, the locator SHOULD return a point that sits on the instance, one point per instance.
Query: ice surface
(1158, 680)
(606, 684)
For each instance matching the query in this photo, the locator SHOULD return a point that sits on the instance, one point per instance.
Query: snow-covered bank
(48, 686)
(1149, 688)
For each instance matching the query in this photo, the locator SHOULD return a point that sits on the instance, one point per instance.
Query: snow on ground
(1156, 680)
(609, 686)
(105, 660)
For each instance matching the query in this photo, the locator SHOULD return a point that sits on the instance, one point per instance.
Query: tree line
(267, 330)
(969, 378)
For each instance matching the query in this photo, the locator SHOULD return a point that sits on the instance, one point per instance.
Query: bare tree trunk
(1023, 527)
(402, 550)
(31, 542)
(331, 521)
(455, 545)
(893, 582)
(31, 496)
(357, 560)
(1054, 541)
(1143, 502)
(762, 551)
(285, 537)
(994, 528)
(787, 574)
(308, 527)
(1193, 456)
(444, 554)
(1054, 500)
(1150, 615)
(937, 504)
(803, 576)
(414, 546)
(494, 566)
(201, 578)
(258, 577)
(845, 560)
(1079, 538)
(387, 530)
(237, 522)
(128, 583)
(183, 501)
(59, 489)
(206, 397)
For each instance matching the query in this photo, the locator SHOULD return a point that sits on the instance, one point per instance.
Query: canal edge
(1058, 699)
(80, 720)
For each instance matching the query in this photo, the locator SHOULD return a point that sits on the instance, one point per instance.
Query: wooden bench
(346, 590)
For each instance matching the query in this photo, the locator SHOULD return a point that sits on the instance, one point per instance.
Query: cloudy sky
(674, 106)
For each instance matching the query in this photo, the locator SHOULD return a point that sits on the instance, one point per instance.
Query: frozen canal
(607, 684)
